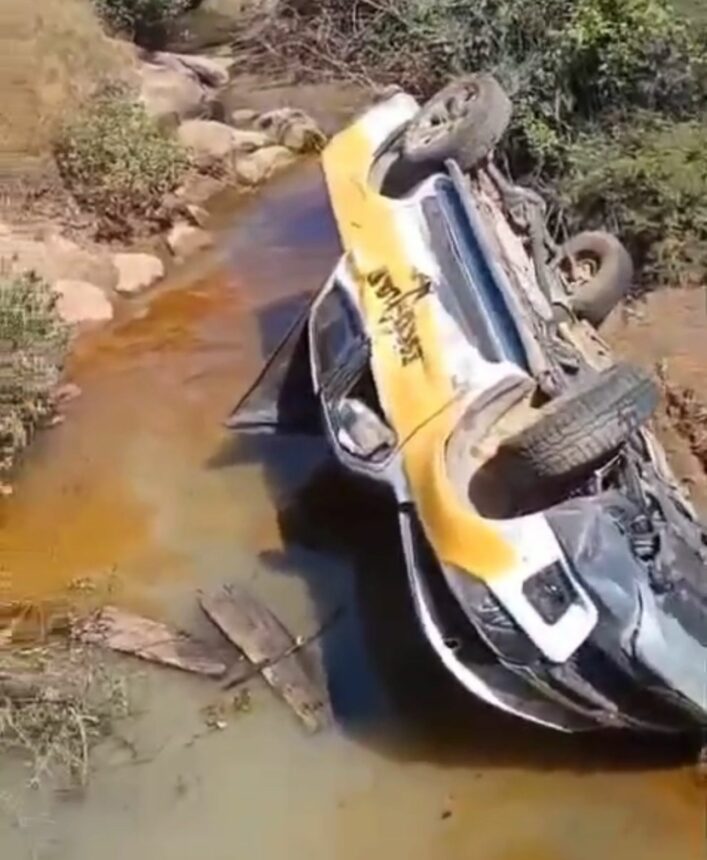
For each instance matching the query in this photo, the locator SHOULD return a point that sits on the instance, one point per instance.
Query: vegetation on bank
(117, 161)
(57, 700)
(32, 345)
(141, 20)
(590, 80)
(648, 181)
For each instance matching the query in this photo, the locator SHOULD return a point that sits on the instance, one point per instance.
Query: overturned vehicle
(557, 568)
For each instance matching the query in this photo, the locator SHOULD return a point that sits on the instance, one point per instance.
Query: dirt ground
(667, 331)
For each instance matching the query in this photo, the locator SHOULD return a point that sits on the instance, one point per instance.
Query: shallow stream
(142, 491)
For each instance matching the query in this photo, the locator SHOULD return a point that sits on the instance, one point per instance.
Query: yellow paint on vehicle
(419, 397)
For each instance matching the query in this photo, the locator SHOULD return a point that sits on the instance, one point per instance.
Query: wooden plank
(151, 640)
(263, 638)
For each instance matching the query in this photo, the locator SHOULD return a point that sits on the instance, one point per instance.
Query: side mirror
(361, 431)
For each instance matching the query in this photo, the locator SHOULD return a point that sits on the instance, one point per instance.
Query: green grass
(117, 161)
(582, 74)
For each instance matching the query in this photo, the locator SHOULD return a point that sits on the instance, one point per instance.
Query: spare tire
(612, 277)
(579, 430)
(463, 121)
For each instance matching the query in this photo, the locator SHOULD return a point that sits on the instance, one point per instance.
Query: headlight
(550, 593)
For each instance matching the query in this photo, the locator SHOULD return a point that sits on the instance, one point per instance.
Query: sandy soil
(667, 331)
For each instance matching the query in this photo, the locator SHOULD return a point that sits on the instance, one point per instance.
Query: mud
(665, 331)
(142, 492)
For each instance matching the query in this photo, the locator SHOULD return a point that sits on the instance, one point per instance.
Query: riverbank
(113, 154)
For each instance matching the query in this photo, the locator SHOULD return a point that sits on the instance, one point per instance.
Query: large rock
(292, 128)
(82, 302)
(208, 140)
(137, 272)
(56, 258)
(66, 259)
(211, 141)
(212, 71)
(261, 165)
(166, 91)
(180, 85)
(184, 239)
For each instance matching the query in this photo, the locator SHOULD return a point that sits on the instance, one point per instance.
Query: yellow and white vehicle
(557, 569)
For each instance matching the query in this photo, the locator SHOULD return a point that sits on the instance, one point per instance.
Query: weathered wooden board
(151, 640)
(263, 638)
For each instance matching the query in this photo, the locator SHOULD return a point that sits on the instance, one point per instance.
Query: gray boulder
(293, 128)
(259, 166)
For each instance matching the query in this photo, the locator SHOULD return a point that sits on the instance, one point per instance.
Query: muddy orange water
(142, 491)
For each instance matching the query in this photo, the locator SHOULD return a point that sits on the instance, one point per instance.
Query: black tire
(579, 430)
(463, 121)
(596, 299)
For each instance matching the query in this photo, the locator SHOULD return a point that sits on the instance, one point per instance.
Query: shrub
(142, 20)
(32, 344)
(567, 63)
(576, 69)
(648, 182)
(117, 161)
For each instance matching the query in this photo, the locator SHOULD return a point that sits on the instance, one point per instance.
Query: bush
(574, 68)
(647, 182)
(118, 162)
(32, 344)
(142, 20)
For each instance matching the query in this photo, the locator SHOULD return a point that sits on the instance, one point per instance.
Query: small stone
(185, 239)
(54, 421)
(67, 392)
(82, 302)
(137, 272)
(243, 117)
(6, 490)
(198, 214)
